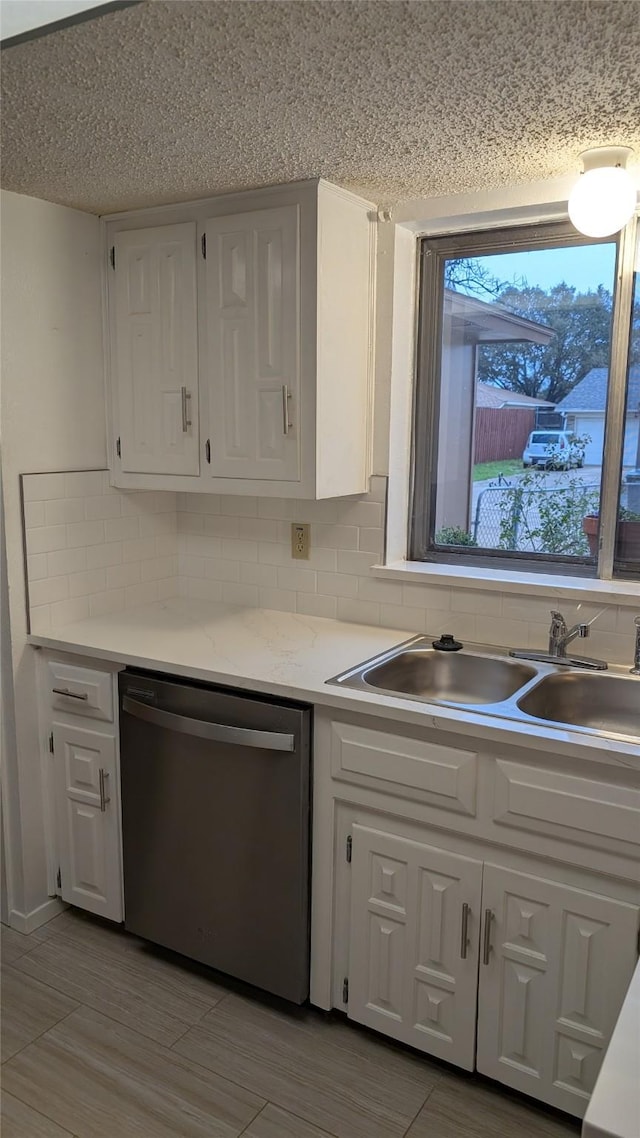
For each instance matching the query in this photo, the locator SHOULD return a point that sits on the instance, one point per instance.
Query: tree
(469, 275)
(581, 323)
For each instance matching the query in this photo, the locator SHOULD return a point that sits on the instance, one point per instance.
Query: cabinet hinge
(203, 245)
(207, 450)
(59, 878)
(118, 448)
(51, 741)
(345, 990)
(112, 256)
(349, 848)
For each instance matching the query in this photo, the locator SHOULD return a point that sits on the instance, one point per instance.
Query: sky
(584, 266)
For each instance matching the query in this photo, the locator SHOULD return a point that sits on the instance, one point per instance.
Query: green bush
(455, 535)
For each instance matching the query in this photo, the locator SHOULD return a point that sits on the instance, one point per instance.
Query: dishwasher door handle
(219, 732)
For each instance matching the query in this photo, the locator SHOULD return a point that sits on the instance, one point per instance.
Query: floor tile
(272, 1122)
(462, 1108)
(119, 976)
(324, 1071)
(28, 1009)
(99, 1079)
(13, 944)
(20, 1121)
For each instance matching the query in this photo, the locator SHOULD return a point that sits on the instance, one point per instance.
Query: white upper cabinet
(253, 288)
(154, 349)
(241, 344)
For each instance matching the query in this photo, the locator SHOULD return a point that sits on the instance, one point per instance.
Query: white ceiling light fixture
(604, 197)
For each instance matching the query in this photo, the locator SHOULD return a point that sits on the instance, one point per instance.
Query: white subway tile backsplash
(312, 604)
(46, 538)
(50, 589)
(104, 506)
(86, 533)
(237, 594)
(59, 511)
(100, 555)
(298, 580)
(94, 549)
(34, 514)
(83, 484)
(91, 581)
(42, 487)
(282, 600)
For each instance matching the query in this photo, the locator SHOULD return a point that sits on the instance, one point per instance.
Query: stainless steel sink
(488, 682)
(450, 676)
(601, 703)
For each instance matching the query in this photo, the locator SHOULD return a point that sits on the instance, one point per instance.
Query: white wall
(52, 418)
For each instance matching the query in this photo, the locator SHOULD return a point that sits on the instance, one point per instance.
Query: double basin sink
(599, 703)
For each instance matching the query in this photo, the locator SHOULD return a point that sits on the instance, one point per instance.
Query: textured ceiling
(168, 101)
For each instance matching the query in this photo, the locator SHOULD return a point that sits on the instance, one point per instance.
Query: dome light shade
(604, 197)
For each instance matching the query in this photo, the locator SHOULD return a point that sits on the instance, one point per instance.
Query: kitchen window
(526, 444)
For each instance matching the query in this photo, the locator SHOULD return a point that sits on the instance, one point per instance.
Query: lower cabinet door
(414, 938)
(555, 966)
(88, 823)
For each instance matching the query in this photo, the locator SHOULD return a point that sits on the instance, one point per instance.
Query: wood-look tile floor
(105, 1037)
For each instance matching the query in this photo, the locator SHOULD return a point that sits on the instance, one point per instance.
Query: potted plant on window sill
(627, 536)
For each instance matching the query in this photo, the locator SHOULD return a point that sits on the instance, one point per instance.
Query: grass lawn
(506, 466)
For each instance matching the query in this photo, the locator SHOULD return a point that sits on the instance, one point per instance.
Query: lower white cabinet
(87, 819)
(413, 959)
(508, 972)
(555, 965)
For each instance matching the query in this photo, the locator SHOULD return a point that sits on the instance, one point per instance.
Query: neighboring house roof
(590, 394)
(490, 323)
(488, 396)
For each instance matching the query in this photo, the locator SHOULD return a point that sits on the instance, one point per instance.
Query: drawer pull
(486, 942)
(70, 694)
(104, 797)
(464, 931)
(185, 396)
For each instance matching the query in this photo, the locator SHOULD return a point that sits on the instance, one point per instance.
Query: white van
(558, 449)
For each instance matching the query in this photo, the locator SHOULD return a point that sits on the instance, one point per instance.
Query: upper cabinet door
(253, 380)
(152, 292)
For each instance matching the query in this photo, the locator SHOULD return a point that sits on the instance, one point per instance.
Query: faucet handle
(557, 619)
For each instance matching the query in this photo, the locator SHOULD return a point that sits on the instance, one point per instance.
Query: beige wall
(52, 418)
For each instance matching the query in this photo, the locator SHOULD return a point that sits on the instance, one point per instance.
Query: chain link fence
(536, 519)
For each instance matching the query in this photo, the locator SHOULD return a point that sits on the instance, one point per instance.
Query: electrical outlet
(300, 541)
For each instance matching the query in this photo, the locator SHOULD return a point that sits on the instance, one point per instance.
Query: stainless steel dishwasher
(215, 806)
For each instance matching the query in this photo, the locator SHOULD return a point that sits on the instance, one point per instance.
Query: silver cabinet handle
(286, 396)
(464, 930)
(104, 797)
(70, 694)
(219, 732)
(185, 397)
(486, 942)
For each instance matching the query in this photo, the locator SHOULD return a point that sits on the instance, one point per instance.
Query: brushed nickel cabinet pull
(286, 396)
(70, 694)
(186, 421)
(104, 797)
(464, 930)
(486, 943)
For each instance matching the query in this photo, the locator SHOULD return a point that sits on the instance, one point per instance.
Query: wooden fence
(501, 432)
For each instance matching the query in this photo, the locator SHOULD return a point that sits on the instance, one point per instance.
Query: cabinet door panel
(252, 319)
(560, 963)
(88, 836)
(154, 348)
(407, 977)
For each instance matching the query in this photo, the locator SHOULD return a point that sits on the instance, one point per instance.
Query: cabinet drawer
(589, 812)
(80, 691)
(440, 776)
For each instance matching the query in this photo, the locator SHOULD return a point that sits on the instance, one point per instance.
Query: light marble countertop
(614, 1108)
(293, 655)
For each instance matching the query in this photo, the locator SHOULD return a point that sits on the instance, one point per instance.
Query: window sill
(617, 592)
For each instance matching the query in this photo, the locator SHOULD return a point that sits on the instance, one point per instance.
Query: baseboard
(28, 922)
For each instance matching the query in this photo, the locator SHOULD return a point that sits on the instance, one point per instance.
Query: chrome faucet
(635, 671)
(560, 635)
